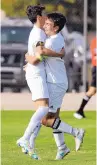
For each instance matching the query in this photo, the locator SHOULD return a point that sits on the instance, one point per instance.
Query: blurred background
(79, 31)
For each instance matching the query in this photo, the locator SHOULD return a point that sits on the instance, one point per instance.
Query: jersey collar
(54, 36)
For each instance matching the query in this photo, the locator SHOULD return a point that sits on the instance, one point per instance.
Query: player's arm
(41, 51)
(33, 59)
(49, 53)
(49, 49)
(39, 56)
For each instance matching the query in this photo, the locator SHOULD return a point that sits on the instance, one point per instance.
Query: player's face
(49, 27)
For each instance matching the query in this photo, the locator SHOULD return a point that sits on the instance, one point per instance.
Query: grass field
(14, 124)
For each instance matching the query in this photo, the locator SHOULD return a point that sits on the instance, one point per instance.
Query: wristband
(45, 57)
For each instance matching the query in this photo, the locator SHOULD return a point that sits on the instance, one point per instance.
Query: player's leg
(56, 94)
(92, 90)
(37, 117)
(34, 135)
(58, 136)
(55, 101)
(34, 122)
(59, 125)
(80, 112)
(41, 92)
(62, 149)
(40, 97)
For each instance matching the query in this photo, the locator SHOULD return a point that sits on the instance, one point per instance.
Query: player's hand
(33, 59)
(39, 50)
(62, 52)
(39, 57)
(28, 58)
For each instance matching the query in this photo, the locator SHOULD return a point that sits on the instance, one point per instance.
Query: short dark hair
(58, 19)
(33, 12)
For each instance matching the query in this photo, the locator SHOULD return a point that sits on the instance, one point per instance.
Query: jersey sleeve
(40, 40)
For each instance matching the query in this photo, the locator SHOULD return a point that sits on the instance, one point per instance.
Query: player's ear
(38, 17)
(56, 28)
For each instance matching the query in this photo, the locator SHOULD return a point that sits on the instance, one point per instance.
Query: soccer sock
(34, 121)
(83, 104)
(34, 135)
(59, 139)
(64, 127)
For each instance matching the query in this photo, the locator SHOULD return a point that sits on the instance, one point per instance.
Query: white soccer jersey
(55, 68)
(35, 36)
(35, 74)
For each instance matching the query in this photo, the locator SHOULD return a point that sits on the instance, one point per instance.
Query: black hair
(58, 19)
(33, 12)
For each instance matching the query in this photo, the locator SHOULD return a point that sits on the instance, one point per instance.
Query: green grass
(14, 124)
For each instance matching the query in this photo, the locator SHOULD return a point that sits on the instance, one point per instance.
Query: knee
(94, 91)
(48, 120)
(91, 91)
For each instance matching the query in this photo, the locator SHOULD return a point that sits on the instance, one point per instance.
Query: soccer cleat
(79, 138)
(33, 154)
(24, 151)
(24, 144)
(62, 153)
(77, 115)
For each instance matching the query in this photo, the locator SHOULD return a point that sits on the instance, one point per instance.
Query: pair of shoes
(79, 138)
(78, 115)
(62, 153)
(24, 144)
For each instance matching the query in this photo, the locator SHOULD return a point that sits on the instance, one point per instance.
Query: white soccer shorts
(38, 88)
(56, 94)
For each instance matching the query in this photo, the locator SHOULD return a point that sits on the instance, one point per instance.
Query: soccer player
(57, 84)
(92, 89)
(36, 76)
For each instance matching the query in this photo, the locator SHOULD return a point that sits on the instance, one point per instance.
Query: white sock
(59, 139)
(67, 128)
(86, 97)
(35, 120)
(34, 135)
